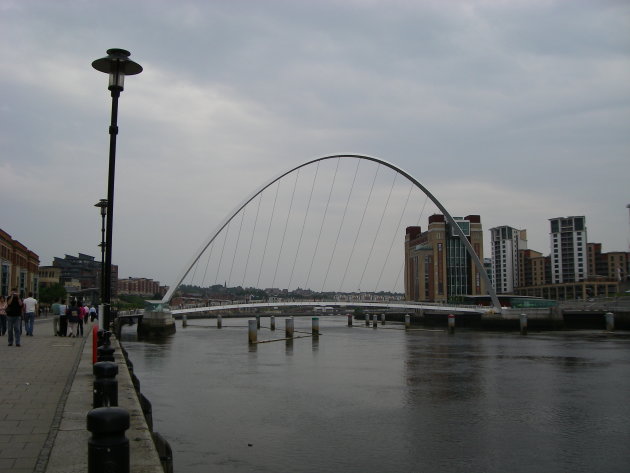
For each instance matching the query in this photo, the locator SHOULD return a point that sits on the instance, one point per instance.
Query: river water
(385, 400)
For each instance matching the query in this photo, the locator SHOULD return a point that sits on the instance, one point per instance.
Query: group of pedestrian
(68, 320)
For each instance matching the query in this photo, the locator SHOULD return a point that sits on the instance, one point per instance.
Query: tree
(52, 293)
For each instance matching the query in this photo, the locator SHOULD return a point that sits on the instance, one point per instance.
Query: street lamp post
(102, 204)
(117, 64)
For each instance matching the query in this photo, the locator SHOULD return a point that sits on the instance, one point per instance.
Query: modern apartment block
(568, 249)
(18, 267)
(437, 265)
(612, 265)
(84, 269)
(505, 244)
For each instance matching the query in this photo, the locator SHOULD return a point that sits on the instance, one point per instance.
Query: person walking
(82, 318)
(55, 311)
(14, 317)
(3, 315)
(92, 313)
(73, 317)
(63, 319)
(30, 309)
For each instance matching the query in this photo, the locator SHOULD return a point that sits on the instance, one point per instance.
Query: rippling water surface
(385, 400)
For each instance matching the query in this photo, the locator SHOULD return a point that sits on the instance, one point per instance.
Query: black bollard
(105, 353)
(105, 384)
(108, 447)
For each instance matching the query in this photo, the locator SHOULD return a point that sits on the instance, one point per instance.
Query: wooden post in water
(253, 332)
(258, 321)
(451, 323)
(219, 321)
(272, 322)
(349, 320)
(184, 320)
(407, 321)
(288, 327)
(523, 324)
(610, 321)
(367, 320)
(382, 319)
(315, 327)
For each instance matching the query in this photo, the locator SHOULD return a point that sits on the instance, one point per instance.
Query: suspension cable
(396, 233)
(273, 211)
(207, 264)
(417, 224)
(227, 230)
(251, 240)
(343, 218)
(322, 224)
(308, 206)
(284, 233)
(356, 236)
(238, 238)
(378, 229)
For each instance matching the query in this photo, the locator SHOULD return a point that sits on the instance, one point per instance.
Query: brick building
(18, 267)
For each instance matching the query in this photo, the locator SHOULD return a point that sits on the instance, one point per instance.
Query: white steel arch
(495, 300)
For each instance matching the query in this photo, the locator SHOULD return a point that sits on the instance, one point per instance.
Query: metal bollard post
(105, 352)
(184, 320)
(108, 447)
(407, 321)
(610, 321)
(288, 327)
(523, 324)
(272, 322)
(349, 320)
(105, 392)
(219, 321)
(367, 320)
(315, 327)
(253, 333)
(451, 323)
(374, 320)
(382, 319)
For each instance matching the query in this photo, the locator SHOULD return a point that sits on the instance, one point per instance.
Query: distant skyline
(517, 111)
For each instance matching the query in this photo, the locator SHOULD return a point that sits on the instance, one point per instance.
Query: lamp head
(118, 65)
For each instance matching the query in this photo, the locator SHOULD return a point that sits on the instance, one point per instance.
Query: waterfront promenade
(45, 395)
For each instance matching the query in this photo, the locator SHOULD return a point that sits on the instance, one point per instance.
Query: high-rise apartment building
(506, 243)
(568, 249)
(437, 265)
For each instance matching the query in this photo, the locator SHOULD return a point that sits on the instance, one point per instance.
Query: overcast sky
(518, 111)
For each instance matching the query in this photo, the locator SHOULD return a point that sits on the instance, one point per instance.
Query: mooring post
(252, 332)
(451, 323)
(374, 320)
(315, 326)
(367, 320)
(184, 320)
(258, 321)
(105, 385)
(108, 447)
(349, 320)
(382, 319)
(610, 321)
(407, 321)
(523, 324)
(288, 330)
(219, 321)
(272, 322)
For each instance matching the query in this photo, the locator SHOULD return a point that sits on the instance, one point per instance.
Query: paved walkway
(35, 382)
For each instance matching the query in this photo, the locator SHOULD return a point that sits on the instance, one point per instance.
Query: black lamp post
(117, 64)
(102, 204)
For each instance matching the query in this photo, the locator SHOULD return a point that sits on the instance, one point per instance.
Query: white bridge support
(234, 213)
